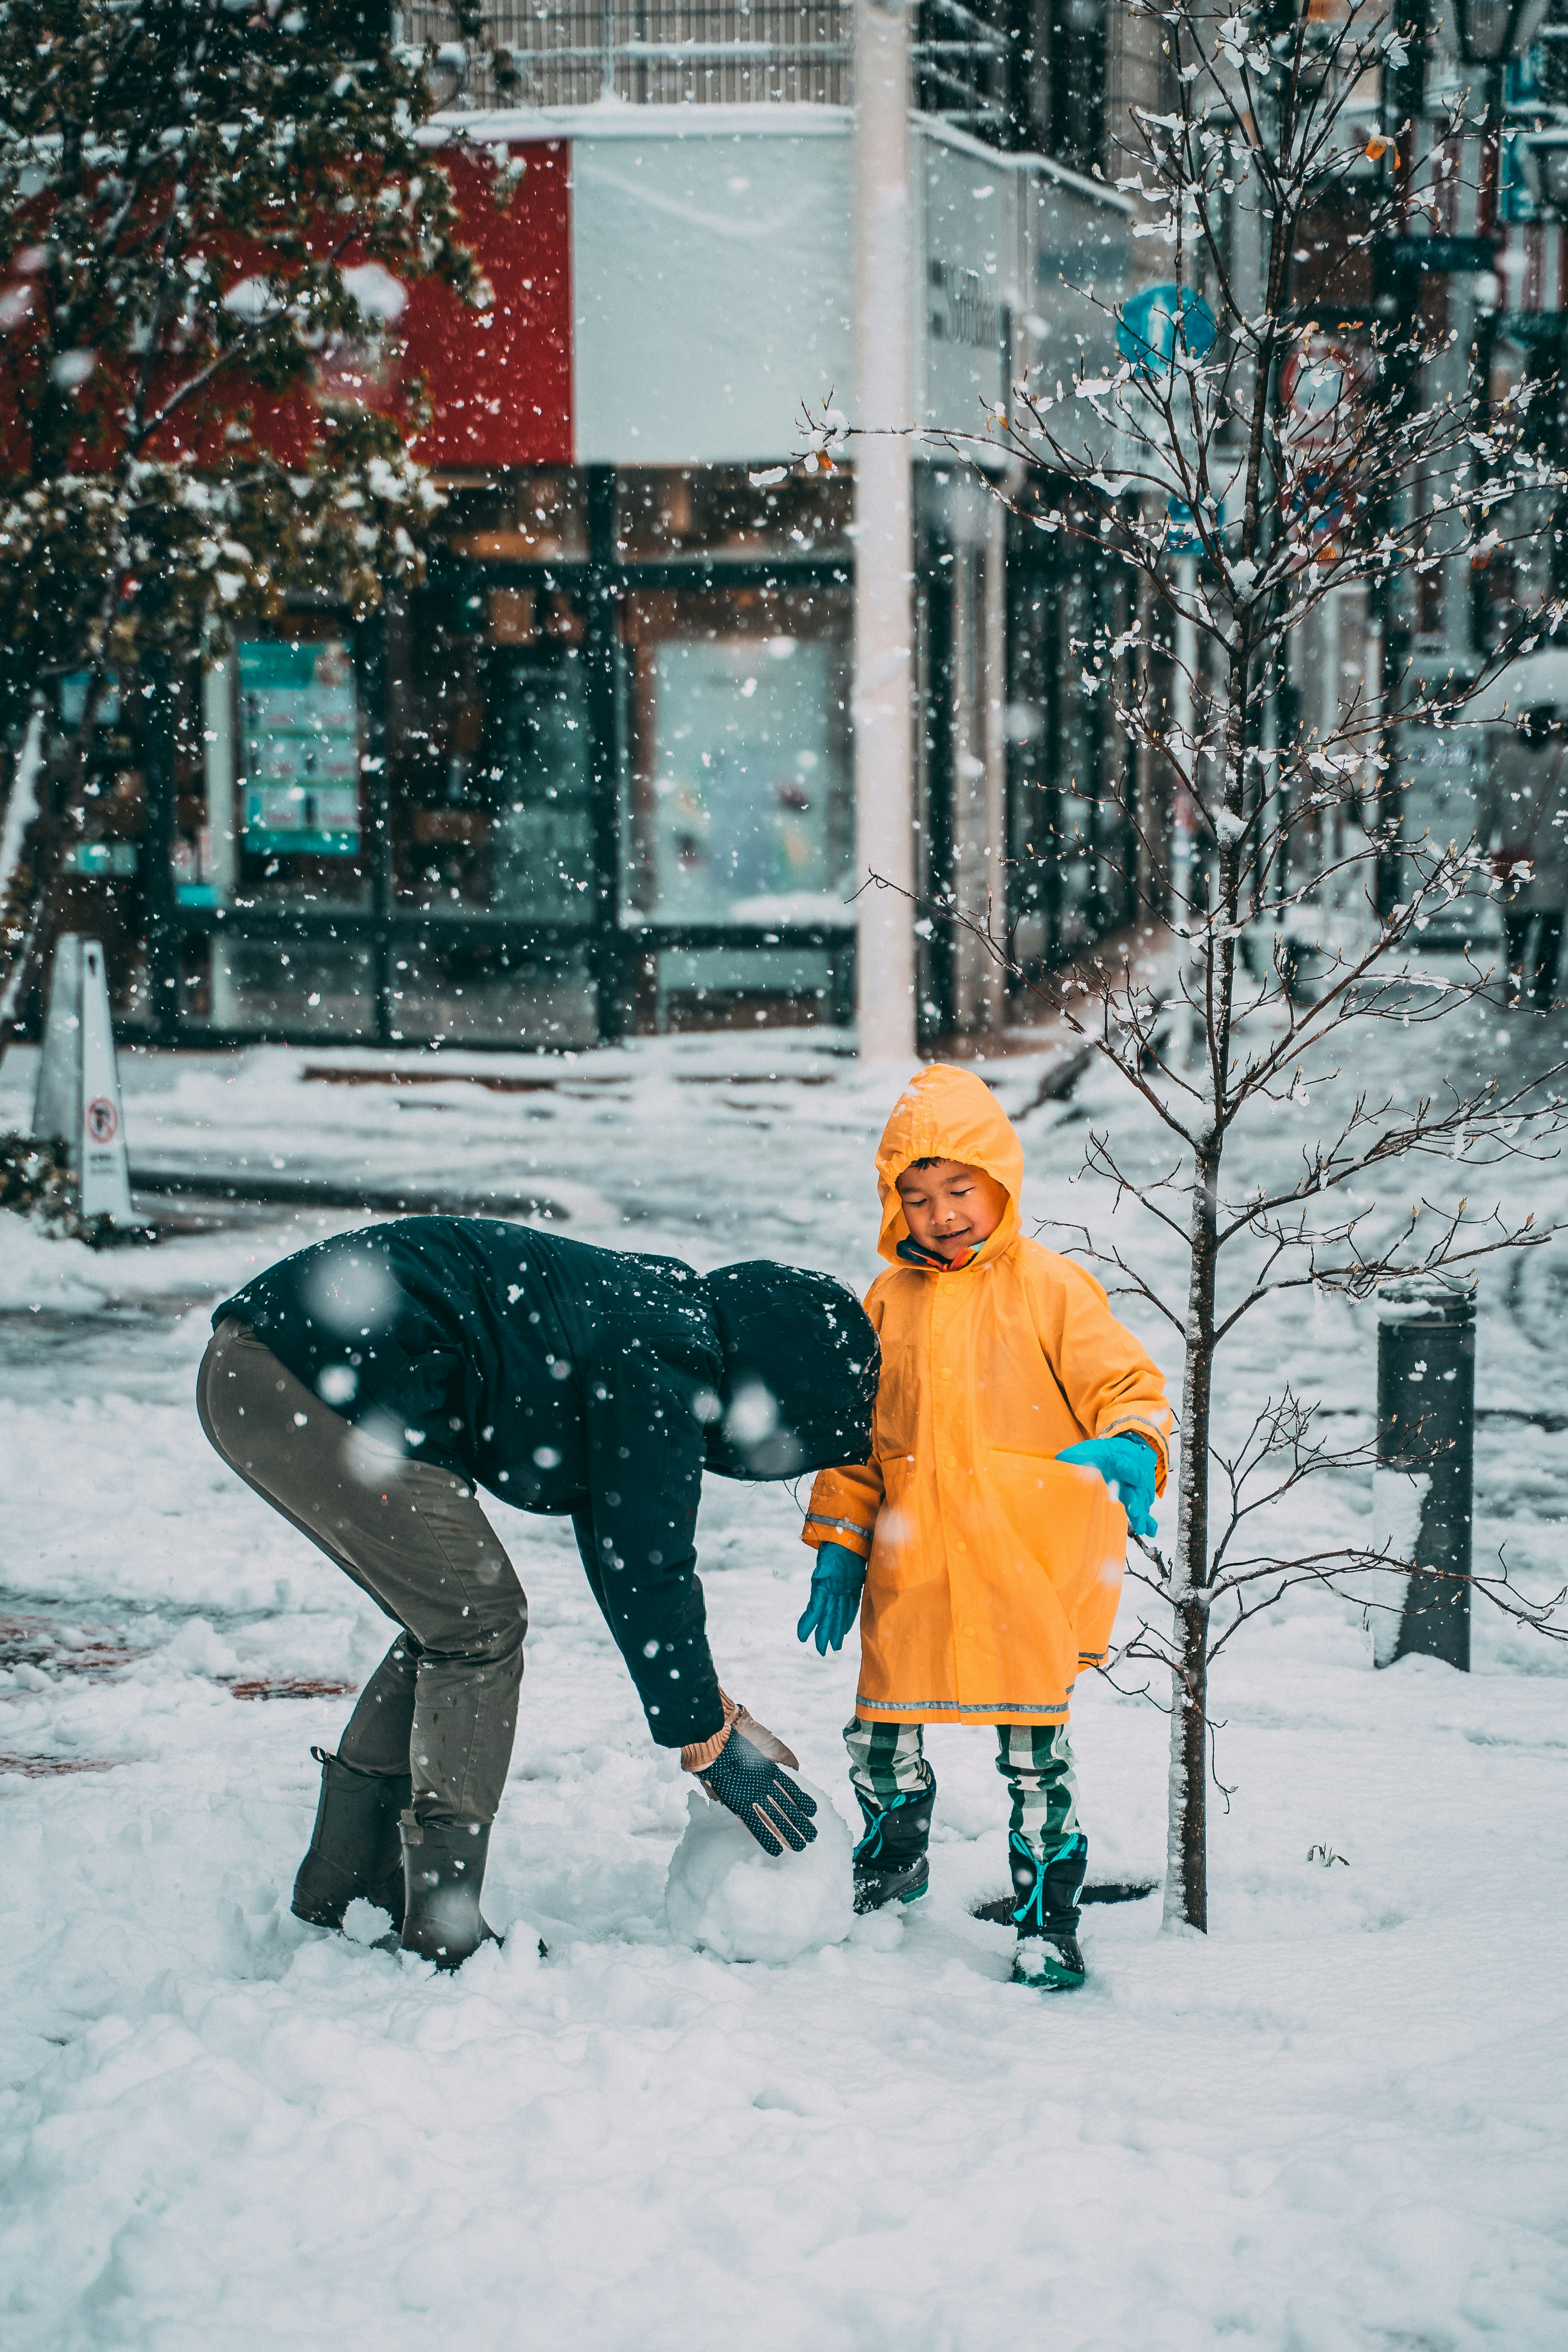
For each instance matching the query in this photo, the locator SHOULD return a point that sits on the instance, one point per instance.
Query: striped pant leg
(886, 1760)
(1036, 1761)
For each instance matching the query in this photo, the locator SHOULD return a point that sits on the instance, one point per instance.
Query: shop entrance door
(538, 774)
(495, 908)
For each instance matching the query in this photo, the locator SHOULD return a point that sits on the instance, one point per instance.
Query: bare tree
(1240, 466)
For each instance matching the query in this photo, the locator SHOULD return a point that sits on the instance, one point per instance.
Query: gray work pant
(442, 1705)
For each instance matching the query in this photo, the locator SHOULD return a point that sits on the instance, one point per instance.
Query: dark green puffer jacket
(595, 1382)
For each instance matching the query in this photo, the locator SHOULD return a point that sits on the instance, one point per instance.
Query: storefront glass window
(492, 767)
(530, 517)
(741, 818)
(719, 510)
(737, 801)
(103, 885)
(1070, 844)
(321, 987)
(740, 796)
(466, 986)
(285, 820)
(537, 765)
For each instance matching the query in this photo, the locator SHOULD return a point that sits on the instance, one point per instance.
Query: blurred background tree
(209, 213)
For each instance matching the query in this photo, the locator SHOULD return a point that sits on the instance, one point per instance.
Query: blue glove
(1128, 1467)
(836, 1583)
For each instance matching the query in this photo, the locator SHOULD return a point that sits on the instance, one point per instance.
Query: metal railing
(961, 62)
(715, 52)
(648, 52)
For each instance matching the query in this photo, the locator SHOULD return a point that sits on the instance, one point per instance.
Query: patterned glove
(836, 1583)
(761, 1794)
(1128, 1467)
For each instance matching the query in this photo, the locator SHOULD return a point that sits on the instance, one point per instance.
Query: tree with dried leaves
(1240, 468)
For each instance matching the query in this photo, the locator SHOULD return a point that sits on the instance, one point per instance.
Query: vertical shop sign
(1440, 772)
(971, 236)
(301, 745)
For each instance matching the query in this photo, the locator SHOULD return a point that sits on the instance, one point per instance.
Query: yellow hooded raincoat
(994, 1569)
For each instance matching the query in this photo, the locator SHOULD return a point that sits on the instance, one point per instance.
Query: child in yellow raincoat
(986, 1534)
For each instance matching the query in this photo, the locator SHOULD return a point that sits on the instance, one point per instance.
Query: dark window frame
(618, 952)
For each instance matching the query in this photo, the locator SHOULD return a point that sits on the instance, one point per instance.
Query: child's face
(952, 1207)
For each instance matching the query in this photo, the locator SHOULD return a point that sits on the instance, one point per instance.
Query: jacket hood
(948, 1114)
(800, 1364)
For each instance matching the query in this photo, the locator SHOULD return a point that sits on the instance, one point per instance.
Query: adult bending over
(366, 1386)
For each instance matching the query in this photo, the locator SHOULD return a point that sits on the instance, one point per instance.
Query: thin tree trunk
(1186, 1881)
(1186, 1874)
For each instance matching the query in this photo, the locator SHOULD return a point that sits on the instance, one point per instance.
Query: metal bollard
(1424, 1485)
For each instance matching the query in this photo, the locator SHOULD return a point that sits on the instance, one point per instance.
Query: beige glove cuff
(696, 1758)
(703, 1752)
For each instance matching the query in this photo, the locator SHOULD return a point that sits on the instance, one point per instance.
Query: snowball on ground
(727, 1897)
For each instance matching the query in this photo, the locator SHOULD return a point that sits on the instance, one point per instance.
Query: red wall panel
(500, 380)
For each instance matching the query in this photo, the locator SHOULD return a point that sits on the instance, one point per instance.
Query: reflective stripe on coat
(995, 1570)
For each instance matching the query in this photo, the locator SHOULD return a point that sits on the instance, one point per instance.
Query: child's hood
(948, 1114)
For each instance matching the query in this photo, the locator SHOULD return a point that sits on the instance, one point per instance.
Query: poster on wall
(298, 716)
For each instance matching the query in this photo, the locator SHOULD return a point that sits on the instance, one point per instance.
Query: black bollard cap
(1426, 1299)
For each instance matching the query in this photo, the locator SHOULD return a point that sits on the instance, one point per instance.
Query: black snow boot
(444, 1870)
(1047, 1956)
(890, 1863)
(354, 1846)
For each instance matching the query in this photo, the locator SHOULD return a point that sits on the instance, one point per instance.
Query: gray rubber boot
(443, 1874)
(354, 1847)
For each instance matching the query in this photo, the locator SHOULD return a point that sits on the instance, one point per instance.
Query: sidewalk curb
(340, 1193)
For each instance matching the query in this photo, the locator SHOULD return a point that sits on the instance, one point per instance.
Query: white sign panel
(1440, 772)
(1078, 248)
(965, 302)
(77, 1096)
(105, 1161)
(712, 277)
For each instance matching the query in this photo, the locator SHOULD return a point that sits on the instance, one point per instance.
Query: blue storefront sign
(300, 737)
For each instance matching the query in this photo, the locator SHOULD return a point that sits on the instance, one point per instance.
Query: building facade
(598, 775)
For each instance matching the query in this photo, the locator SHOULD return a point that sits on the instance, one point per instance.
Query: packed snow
(1335, 2122)
(727, 1897)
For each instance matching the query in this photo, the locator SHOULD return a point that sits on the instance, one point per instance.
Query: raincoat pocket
(1062, 1519)
(1036, 1489)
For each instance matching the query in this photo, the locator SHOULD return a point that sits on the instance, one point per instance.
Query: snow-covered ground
(1336, 2122)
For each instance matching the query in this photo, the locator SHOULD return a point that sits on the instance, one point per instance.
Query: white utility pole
(884, 574)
